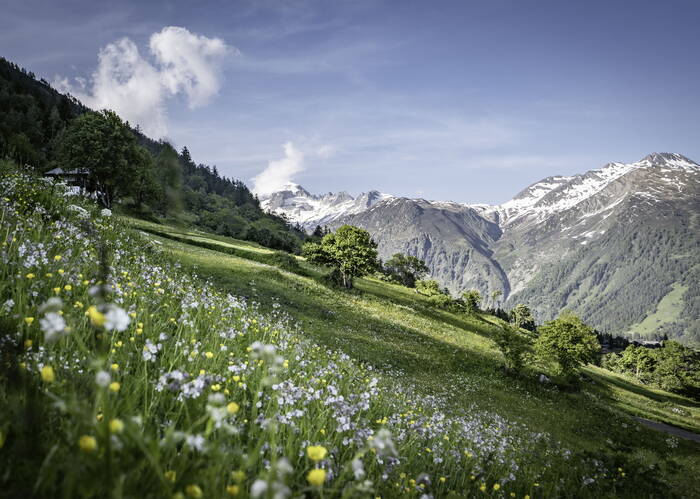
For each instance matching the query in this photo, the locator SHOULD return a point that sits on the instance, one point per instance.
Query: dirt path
(671, 430)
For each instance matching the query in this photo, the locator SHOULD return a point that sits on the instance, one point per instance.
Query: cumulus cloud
(280, 171)
(137, 88)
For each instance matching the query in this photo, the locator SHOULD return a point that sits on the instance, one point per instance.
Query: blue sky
(467, 100)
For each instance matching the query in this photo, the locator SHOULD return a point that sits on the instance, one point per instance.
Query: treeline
(123, 168)
(673, 367)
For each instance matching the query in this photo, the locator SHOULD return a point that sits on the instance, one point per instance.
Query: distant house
(76, 177)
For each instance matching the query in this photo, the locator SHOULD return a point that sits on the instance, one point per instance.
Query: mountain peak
(668, 159)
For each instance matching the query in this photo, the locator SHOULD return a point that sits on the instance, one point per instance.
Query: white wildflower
(53, 326)
(106, 212)
(258, 488)
(103, 379)
(116, 318)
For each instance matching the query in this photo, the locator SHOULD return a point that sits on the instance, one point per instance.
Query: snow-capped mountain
(309, 210)
(611, 243)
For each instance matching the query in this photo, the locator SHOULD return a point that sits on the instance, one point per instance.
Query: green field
(440, 352)
(667, 311)
(142, 360)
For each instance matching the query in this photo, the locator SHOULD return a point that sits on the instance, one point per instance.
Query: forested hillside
(44, 129)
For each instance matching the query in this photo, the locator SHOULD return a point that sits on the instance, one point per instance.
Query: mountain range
(618, 245)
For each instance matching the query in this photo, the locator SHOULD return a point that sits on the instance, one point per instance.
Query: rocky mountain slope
(619, 244)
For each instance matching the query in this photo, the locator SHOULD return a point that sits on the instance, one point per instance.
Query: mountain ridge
(568, 235)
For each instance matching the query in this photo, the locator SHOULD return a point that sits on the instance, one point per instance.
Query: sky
(469, 101)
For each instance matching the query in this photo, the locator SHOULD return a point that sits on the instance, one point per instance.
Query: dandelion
(114, 386)
(29, 320)
(57, 258)
(316, 477)
(116, 426)
(194, 491)
(316, 452)
(30, 276)
(47, 374)
(232, 408)
(496, 486)
(87, 444)
(97, 318)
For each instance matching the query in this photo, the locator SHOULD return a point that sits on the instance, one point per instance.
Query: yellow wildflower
(87, 443)
(194, 491)
(316, 452)
(496, 486)
(232, 408)
(316, 477)
(116, 425)
(238, 476)
(30, 276)
(115, 367)
(47, 374)
(28, 344)
(114, 386)
(233, 490)
(97, 318)
(209, 355)
(67, 287)
(170, 475)
(29, 320)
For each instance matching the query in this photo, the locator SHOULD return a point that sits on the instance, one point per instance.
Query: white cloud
(280, 171)
(137, 89)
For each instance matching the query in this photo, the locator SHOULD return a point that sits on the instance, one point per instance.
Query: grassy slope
(440, 352)
(667, 311)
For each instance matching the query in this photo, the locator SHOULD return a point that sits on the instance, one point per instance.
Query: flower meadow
(122, 375)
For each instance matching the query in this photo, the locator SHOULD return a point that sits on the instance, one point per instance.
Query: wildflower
(116, 319)
(116, 425)
(170, 475)
(47, 374)
(28, 344)
(482, 487)
(30, 276)
(209, 355)
(87, 443)
(103, 379)
(97, 318)
(67, 287)
(57, 258)
(258, 488)
(232, 408)
(53, 326)
(238, 476)
(106, 212)
(316, 452)
(316, 477)
(496, 486)
(194, 491)
(57, 290)
(114, 367)
(29, 320)
(114, 386)
(233, 490)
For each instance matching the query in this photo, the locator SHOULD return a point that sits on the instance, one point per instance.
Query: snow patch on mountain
(309, 210)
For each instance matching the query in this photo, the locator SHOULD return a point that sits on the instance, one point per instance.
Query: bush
(512, 345)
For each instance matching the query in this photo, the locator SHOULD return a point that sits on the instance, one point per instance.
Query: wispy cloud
(280, 171)
(138, 88)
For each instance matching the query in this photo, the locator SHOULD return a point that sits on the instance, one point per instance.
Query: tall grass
(123, 375)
